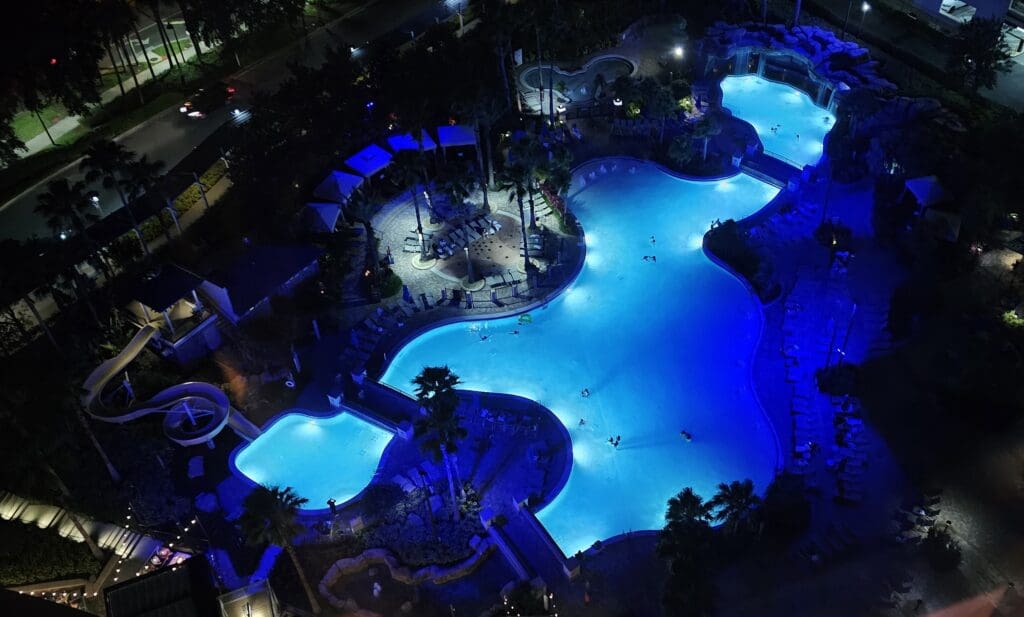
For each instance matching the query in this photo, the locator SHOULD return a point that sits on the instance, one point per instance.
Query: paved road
(170, 137)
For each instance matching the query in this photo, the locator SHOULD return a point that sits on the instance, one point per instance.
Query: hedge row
(29, 555)
(158, 224)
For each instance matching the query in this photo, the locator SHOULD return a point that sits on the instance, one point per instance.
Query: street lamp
(864, 8)
(678, 52)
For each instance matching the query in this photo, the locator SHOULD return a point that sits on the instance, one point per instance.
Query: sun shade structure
(337, 187)
(927, 191)
(397, 143)
(456, 135)
(369, 160)
(323, 216)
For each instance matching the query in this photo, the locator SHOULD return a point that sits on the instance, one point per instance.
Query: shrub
(32, 555)
(834, 235)
(731, 243)
(786, 512)
(391, 285)
(837, 380)
(941, 550)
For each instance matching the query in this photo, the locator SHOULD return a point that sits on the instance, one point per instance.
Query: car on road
(205, 100)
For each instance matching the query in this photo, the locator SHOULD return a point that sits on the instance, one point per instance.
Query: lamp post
(864, 8)
(846, 20)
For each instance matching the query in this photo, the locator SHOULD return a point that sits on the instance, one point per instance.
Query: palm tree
(484, 110)
(441, 428)
(108, 161)
(457, 182)
(528, 152)
(408, 172)
(707, 127)
(64, 205)
(20, 269)
(142, 177)
(39, 450)
(271, 517)
(517, 177)
(687, 507)
(362, 205)
(735, 502)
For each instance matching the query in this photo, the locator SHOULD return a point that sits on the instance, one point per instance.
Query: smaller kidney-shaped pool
(321, 458)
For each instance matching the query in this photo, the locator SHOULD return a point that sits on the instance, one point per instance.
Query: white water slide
(194, 412)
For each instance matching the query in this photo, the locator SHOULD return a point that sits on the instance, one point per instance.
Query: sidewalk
(160, 66)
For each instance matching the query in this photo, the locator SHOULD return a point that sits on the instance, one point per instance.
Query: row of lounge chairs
(465, 234)
(836, 542)
(501, 279)
(534, 243)
(363, 339)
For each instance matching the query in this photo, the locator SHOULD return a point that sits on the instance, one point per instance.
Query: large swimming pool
(662, 346)
(799, 125)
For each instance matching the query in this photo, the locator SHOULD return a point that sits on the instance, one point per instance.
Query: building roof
(337, 186)
(161, 289)
(185, 590)
(369, 160)
(927, 190)
(456, 135)
(323, 216)
(261, 271)
(14, 603)
(397, 143)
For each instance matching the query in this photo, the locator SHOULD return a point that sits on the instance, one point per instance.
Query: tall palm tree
(707, 127)
(270, 516)
(65, 206)
(441, 428)
(517, 178)
(107, 161)
(735, 502)
(142, 177)
(687, 507)
(20, 269)
(407, 170)
(484, 110)
(361, 206)
(456, 182)
(528, 152)
(39, 450)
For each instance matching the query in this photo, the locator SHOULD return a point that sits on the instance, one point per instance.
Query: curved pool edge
(396, 348)
(315, 415)
(779, 456)
(532, 66)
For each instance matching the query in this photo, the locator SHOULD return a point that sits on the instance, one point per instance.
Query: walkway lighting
(865, 7)
(678, 51)
(561, 108)
(617, 102)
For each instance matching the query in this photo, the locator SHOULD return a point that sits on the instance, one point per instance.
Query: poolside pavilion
(369, 161)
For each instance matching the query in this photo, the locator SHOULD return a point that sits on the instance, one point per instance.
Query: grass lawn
(26, 124)
(177, 46)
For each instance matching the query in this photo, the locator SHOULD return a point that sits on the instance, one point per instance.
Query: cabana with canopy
(369, 161)
(405, 141)
(322, 216)
(337, 187)
(455, 135)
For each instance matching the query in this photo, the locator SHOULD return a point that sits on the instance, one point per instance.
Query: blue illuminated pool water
(321, 458)
(800, 124)
(662, 346)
